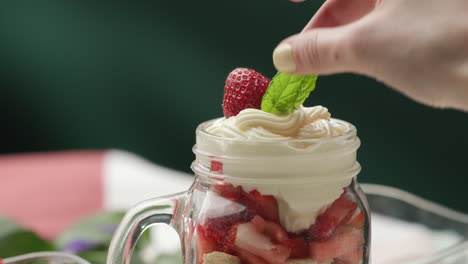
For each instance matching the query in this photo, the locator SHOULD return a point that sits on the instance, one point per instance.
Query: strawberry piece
(226, 244)
(299, 247)
(339, 212)
(259, 223)
(357, 221)
(216, 166)
(338, 261)
(275, 232)
(251, 241)
(353, 257)
(218, 227)
(266, 205)
(244, 88)
(228, 191)
(343, 242)
(206, 244)
(249, 258)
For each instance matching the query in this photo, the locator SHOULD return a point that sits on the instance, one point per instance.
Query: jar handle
(162, 210)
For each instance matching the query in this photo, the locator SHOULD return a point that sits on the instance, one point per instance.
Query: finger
(318, 51)
(340, 12)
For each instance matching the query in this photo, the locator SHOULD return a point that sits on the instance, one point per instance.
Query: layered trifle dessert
(282, 178)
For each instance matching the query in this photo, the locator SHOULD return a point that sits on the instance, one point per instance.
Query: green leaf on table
(90, 233)
(7, 226)
(100, 257)
(15, 240)
(95, 256)
(286, 92)
(91, 236)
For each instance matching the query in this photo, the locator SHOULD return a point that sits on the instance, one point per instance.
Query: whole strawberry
(244, 88)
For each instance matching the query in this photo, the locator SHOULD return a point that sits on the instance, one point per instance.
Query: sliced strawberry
(357, 221)
(205, 243)
(338, 261)
(251, 241)
(249, 258)
(353, 257)
(339, 212)
(244, 88)
(259, 223)
(219, 226)
(226, 244)
(228, 191)
(275, 232)
(266, 205)
(216, 166)
(343, 242)
(299, 247)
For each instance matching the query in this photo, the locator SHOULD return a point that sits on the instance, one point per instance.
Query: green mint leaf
(286, 91)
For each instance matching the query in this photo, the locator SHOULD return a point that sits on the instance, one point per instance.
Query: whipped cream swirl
(254, 124)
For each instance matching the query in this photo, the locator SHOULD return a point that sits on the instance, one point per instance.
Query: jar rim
(205, 175)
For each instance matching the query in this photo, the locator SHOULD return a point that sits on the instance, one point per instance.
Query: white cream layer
(321, 158)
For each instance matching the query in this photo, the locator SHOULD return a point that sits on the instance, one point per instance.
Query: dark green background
(140, 75)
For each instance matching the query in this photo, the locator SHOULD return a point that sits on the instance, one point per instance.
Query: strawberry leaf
(285, 92)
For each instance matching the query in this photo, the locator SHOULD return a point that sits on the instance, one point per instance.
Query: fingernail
(283, 58)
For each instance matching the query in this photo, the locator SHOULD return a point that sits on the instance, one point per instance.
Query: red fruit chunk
(357, 221)
(353, 257)
(228, 191)
(299, 247)
(218, 227)
(259, 223)
(205, 243)
(216, 166)
(337, 261)
(248, 239)
(275, 232)
(249, 258)
(339, 212)
(266, 205)
(226, 244)
(343, 242)
(244, 88)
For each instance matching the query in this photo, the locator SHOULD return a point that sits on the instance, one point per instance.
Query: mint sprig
(286, 92)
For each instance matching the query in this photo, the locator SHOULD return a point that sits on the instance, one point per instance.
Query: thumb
(317, 51)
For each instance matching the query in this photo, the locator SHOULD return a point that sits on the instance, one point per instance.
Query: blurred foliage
(89, 239)
(14, 240)
(92, 232)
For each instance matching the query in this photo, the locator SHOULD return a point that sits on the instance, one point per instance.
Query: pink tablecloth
(48, 191)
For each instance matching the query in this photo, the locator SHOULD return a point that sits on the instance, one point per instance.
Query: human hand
(418, 47)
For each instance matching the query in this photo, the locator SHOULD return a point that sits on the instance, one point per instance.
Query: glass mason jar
(262, 202)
